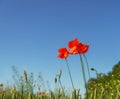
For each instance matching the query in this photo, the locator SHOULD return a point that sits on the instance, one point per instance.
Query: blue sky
(31, 31)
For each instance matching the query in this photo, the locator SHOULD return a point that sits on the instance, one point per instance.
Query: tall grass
(104, 86)
(26, 87)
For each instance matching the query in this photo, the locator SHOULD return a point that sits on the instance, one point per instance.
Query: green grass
(104, 86)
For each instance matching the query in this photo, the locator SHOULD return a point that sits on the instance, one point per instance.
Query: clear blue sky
(31, 31)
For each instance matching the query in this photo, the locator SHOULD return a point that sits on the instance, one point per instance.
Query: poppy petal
(73, 43)
(63, 53)
(82, 48)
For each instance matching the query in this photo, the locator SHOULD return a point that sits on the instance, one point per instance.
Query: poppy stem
(87, 65)
(84, 77)
(70, 74)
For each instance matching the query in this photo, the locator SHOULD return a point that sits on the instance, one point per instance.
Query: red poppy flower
(63, 53)
(82, 48)
(73, 43)
(73, 46)
(76, 47)
(42, 93)
(47, 94)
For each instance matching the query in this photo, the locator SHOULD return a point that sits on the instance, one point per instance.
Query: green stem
(101, 95)
(61, 87)
(84, 77)
(87, 65)
(70, 74)
(94, 93)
